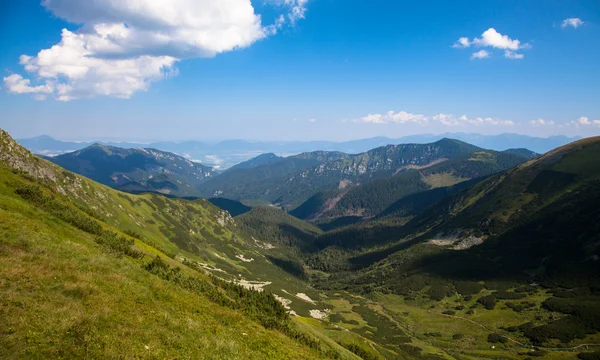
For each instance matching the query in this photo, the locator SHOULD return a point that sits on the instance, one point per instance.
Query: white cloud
(572, 22)
(297, 10)
(493, 39)
(584, 121)
(463, 42)
(401, 117)
(16, 84)
(124, 46)
(541, 122)
(512, 55)
(312, 120)
(452, 121)
(481, 54)
(445, 119)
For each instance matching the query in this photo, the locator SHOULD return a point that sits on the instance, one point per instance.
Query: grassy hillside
(81, 276)
(137, 170)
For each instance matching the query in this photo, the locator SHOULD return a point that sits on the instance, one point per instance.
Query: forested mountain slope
(287, 184)
(137, 170)
(264, 159)
(372, 198)
(538, 190)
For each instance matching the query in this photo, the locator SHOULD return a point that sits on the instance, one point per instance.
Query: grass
(63, 296)
(70, 293)
(442, 180)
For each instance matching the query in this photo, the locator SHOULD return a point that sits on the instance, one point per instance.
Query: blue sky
(299, 69)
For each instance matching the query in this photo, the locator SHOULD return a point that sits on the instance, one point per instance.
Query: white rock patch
(263, 245)
(285, 302)
(305, 297)
(318, 314)
(241, 257)
(253, 285)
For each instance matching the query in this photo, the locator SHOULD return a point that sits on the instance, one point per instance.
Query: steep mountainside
(374, 197)
(264, 159)
(491, 207)
(294, 186)
(525, 241)
(90, 252)
(137, 170)
(244, 184)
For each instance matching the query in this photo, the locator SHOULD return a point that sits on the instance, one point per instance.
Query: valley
(413, 279)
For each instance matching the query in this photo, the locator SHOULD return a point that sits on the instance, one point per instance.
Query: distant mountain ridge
(228, 153)
(137, 170)
(264, 159)
(291, 181)
(370, 199)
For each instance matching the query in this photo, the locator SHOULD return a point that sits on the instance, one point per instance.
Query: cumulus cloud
(572, 22)
(124, 46)
(584, 121)
(16, 84)
(493, 39)
(541, 122)
(401, 117)
(481, 54)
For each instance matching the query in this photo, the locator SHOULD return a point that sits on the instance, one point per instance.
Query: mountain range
(331, 177)
(459, 253)
(227, 153)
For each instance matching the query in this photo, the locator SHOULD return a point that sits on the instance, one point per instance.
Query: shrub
(589, 356)
(468, 287)
(458, 336)
(118, 245)
(506, 295)
(496, 338)
(439, 291)
(359, 350)
(526, 289)
(51, 204)
(449, 312)
(489, 301)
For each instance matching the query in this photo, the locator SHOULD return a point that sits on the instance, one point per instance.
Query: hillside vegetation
(375, 197)
(292, 181)
(137, 170)
(88, 271)
(503, 266)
